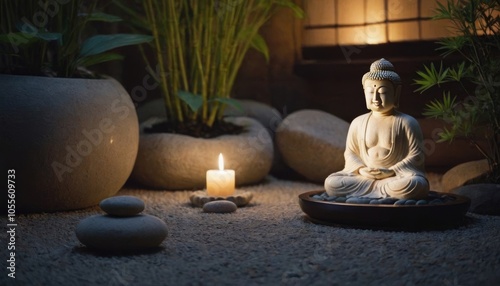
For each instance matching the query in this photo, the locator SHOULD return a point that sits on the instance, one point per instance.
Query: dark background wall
(324, 78)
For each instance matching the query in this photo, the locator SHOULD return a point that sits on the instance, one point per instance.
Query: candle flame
(221, 162)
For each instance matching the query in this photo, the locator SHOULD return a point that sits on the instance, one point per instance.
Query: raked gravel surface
(268, 242)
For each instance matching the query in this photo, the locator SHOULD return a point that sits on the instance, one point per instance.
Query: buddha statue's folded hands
(376, 173)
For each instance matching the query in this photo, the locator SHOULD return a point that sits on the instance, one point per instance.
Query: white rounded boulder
(312, 142)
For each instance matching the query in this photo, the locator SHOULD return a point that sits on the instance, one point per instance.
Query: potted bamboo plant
(69, 136)
(199, 47)
(472, 112)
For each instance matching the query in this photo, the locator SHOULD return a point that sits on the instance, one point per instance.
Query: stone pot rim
(102, 77)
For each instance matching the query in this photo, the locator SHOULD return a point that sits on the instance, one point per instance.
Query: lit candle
(220, 183)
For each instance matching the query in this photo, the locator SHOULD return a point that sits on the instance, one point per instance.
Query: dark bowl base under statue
(450, 213)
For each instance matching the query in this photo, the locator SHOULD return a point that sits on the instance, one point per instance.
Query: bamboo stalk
(148, 5)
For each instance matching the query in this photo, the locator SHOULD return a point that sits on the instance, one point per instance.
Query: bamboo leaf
(458, 73)
(440, 108)
(441, 12)
(431, 77)
(446, 135)
(297, 11)
(102, 43)
(451, 44)
(259, 44)
(194, 101)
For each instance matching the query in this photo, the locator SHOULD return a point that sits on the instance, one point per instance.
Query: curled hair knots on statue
(382, 70)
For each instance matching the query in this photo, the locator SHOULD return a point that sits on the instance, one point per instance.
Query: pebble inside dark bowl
(438, 210)
(433, 199)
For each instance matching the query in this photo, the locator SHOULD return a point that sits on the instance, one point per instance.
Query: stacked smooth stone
(123, 228)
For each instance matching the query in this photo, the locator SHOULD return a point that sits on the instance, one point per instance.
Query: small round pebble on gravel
(221, 206)
(431, 200)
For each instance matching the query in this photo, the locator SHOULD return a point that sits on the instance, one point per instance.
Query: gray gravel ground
(268, 242)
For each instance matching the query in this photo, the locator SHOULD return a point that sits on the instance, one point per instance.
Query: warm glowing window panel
(358, 22)
(432, 29)
(320, 37)
(350, 12)
(320, 12)
(375, 11)
(376, 34)
(402, 9)
(352, 35)
(427, 7)
(403, 31)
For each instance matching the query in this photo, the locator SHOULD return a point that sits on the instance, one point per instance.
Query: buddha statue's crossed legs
(352, 185)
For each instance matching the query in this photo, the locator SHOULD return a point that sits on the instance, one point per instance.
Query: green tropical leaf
(50, 37)
(103, 43)
(97, 59)
(194, 101)
(101, 17)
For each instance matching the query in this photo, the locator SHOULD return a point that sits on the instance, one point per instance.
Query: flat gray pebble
(341, 199)
(400, 202)
(421, 202)
(122, 205)
(410, 202)
(388, 201)
(220, 206)
(331, 199)
(436, 202)
(355, 200)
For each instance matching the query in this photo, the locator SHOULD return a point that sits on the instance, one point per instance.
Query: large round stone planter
(175, 161)
(69, 143)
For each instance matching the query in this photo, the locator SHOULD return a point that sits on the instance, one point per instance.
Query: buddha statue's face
(381, 95)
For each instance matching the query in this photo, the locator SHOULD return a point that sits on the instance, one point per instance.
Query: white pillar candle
(220, 183)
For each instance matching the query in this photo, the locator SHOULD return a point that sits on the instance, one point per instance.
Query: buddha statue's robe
(405, 158)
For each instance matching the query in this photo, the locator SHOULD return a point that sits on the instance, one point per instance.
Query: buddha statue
(384, 155)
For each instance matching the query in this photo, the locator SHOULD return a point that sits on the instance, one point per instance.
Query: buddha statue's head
(382, 87)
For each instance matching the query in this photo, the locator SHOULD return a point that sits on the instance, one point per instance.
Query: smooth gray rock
(312, 142)
(220, 206)
(111, 233)
(152, 108)
(461, 174)
(176, 161)
(267, 115)
(485, 198)
(122, 205)
(270, 118)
